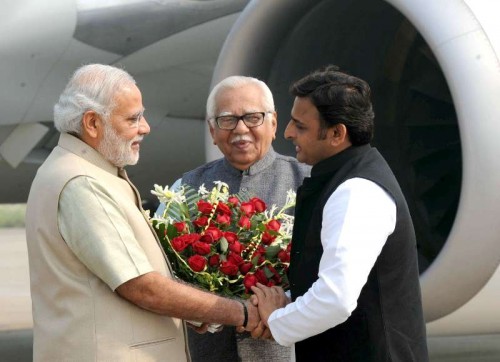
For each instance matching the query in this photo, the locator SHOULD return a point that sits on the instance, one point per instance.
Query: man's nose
(288, 130)
(144, 126)
(241, 127)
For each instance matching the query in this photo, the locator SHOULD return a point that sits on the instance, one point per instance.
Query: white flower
(220, 192)
(286, 225)
(202, 190)
(291, 196)
(269, 214)
(222, 186)
(166, 195)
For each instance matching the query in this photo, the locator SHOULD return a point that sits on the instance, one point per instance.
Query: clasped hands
(260, 306)
(266, 300)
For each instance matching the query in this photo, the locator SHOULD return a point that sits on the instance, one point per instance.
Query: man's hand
(261, 332)
(253, 317)
(201, 328)
(269, 299)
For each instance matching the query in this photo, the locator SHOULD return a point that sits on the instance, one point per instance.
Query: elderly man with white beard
(101, 287)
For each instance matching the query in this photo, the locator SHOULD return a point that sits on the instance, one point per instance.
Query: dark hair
(339, 98)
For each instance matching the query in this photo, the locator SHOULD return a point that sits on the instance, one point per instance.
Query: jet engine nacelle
(435, 75)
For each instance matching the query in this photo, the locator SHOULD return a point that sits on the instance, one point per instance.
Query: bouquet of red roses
(224, 243)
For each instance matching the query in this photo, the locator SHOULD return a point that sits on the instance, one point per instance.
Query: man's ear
(212, 130)
(338, 134)
(274, 124)
(91, 122)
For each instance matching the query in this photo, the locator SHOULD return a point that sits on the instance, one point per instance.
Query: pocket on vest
(147, 344)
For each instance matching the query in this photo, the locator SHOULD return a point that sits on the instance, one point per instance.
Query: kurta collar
(332, 164)
(78, 147)
(256, 168)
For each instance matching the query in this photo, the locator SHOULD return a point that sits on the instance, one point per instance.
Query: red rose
(244, 222)
(230, 237)
(180, 226)
(247, 208)
(284, 256)
(233, 200)
(191, 238)
(258, 204)
(197, 263)
(223, 209)
(179, 243)
(223, 219)
(235, 259)
(212, 234)
(201, 248)
(261, 276)
(201, 221)
(204, 207)
(267, 238)
(245, 267)
(214, 260)
(236, 247)
(273, 225)
(270, 283)
(229, 268)
(249, 281)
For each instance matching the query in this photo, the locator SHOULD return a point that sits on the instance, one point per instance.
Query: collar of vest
(333, 163)
(78, 147)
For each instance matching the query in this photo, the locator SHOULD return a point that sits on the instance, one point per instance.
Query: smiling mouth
(240, 144)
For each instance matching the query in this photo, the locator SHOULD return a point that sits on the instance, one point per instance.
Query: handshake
(256, 312)
(265, 301)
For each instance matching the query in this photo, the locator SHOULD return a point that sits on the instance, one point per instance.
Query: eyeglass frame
(240, 118)
(135, 119)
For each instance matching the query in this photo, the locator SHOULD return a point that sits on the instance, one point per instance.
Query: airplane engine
(435, 75)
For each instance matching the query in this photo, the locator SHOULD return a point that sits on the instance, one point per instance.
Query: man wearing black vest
(355, 293)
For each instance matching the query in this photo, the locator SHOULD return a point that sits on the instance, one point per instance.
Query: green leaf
(272, 251)
(269, 274)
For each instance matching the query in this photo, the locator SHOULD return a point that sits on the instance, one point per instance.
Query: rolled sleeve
(97, 231)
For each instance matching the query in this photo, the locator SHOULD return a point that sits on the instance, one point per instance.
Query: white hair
(92, 87)
(233, 82)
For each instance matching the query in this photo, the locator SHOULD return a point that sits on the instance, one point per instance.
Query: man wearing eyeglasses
(243, 121)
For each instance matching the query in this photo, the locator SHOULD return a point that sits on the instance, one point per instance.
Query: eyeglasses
(135, 119)
(250, 120)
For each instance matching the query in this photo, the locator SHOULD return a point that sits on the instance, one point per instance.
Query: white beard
(117, 150)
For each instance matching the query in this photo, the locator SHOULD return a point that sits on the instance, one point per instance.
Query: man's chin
(133, 161)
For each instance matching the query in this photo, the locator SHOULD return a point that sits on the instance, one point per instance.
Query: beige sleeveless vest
(76, 316)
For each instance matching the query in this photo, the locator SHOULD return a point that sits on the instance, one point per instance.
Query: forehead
(246, 98)
(304, 109)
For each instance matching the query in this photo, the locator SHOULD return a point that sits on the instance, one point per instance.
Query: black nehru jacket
(387, 324)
